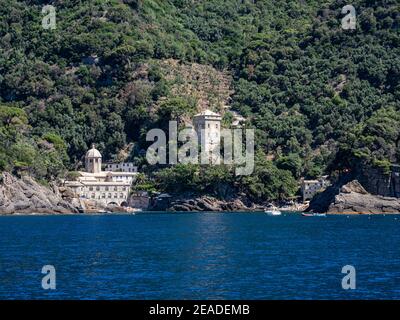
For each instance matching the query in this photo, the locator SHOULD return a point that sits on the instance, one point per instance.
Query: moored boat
(313, 214)
(273, 212)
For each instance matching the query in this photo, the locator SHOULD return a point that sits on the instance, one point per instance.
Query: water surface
(200, 256)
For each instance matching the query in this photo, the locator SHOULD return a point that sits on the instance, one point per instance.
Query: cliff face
(368, 190)
(353, 198)
(377, 182)
(24, 195)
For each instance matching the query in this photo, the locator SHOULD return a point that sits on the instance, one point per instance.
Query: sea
(200, 256)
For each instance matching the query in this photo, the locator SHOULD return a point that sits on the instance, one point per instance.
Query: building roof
(237, 116)
(119, 163)
(93, 153)
(104, 174)
(122, 173)
(311, 181)
(208, 113)
(98, 183)
(101, 174)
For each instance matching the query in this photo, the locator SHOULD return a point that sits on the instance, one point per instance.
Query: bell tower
(207, 124)
(93, 160)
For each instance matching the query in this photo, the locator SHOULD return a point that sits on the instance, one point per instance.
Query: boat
(273, 212)
(132, 211)
(313, 214)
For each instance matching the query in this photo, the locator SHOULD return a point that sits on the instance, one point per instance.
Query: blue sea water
(200, 256)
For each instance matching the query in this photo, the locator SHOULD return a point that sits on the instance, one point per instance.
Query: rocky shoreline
(352, 198)
(26, 196)
(240, 204)
(207, 203)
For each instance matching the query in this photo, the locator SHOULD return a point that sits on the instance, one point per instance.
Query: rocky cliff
(198, 202)
(207, 203)
(352, 198)
(24, 195)
(378, 182)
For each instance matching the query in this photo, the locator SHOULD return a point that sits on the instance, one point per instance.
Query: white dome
(93, 153)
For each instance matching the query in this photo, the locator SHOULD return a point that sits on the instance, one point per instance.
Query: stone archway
(124, 204)
(112, 203)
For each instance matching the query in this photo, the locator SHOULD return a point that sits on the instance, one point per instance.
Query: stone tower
(207, 125)
(93, 160)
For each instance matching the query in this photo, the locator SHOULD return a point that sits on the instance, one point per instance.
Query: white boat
(273, 212)
(313, 214)
(319, 214)
(133, 211)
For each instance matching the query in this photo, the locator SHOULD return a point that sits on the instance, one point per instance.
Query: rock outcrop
(378, 182)
(207, 203)
(24, 195)
(352, 198)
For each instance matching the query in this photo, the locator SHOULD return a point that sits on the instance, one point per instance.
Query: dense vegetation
(321, 98)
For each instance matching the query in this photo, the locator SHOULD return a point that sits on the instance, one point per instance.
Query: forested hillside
(320, 98)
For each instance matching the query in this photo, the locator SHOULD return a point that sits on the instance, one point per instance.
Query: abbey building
(104, 187)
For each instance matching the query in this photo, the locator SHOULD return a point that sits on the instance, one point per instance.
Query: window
(106, 188)
(208, 125)
(121, 195)
(90, 188)
(98, 188)
(109, 195)
(103, 195)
